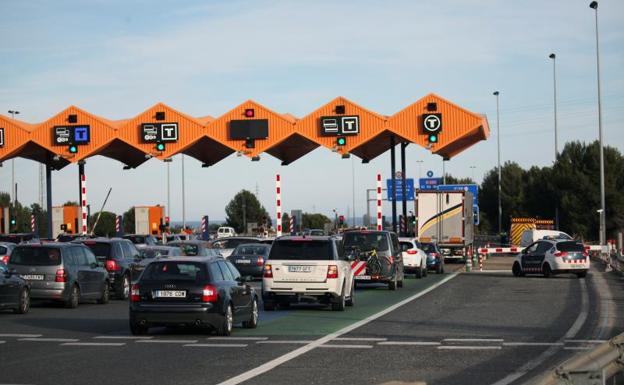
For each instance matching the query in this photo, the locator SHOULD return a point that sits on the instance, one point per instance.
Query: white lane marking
(239, 338)
(409, 343)
(360, 339)
(347, 346)
(491, 271)
(466, 347)
(473, 340)
(20, 335)
(2, 342)
(577, 348)
(304, 349)
(574, 329)
(285, 342)
(123, 338)
(217, 345)
(93, 344)
(586, 341)
(50, 339)
(532, 343)
(167, 341)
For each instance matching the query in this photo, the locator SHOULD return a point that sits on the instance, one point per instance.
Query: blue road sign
(473, 188)
(429, 174)
(409, 185)
(429, 183)
(475, 211)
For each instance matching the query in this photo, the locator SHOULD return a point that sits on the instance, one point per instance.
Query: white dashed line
(167, 341)
(346, 346)
(50, 339)
(360, 339)
(409, 343)
(473, 340)
(217, 345)
(577, 348)
(239, 338)
(2, 342)
(94, 344)
(532, 343)
(469, 347)
(20, 335)
(122, 338)
(285, 342)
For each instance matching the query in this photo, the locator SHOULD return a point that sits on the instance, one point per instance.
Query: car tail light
(61, 276)
(112, 265)
(268, 272)
(260, 261)
(412, 252)
(5, 259)
(561, 254)
(332, 272)
(210, 294)
(135, 293)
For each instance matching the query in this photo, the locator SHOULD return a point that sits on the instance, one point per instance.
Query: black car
(141, 239)
(19, 238)
(119, 256)
(192, 291)
(435, 259)
(14, 291)
(249, 258)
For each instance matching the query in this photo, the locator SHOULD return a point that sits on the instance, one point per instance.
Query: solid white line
(285, 342)
(586, 341)
(469, 347)
(360, 339)
(49, 339)
(20, 335)
(217, 345)
(577, 348)
(409, 343)
(473, 340)
(94, 344)
(304, 349)
(574, 329)
(123, 338)
(167, 341)
(532, 343)
(491, 271)
(2, 342)
(239, 338)
(347, 346)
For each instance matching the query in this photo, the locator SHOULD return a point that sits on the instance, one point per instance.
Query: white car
(414, 258)
(225, 231)
(550, 257)
(530, 236)
(307, 269)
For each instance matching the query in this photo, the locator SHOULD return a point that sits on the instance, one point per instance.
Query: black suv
(376, 257)
(119, 257)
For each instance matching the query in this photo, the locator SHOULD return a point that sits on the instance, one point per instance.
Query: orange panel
(156, 214)
(70, 217)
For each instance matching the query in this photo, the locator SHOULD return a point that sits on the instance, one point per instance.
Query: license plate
(363, 277)
(579, 266)
(33, 277)
(243, 261)
(170, 294)
(299, 269)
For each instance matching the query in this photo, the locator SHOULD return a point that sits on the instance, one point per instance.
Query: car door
(8, 287)
(530, 260)
(396, 253)
(131, 255)
(82, 270)
(237, 292)
(344, 264)
(96, 273)
(246, 294)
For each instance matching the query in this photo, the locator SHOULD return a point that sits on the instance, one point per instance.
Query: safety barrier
(593, 367)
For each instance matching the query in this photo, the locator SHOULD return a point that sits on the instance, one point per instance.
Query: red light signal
(249, 113)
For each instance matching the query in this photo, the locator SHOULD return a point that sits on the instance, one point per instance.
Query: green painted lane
(318, 321)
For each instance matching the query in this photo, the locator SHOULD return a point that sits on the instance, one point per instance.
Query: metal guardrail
(592, 368)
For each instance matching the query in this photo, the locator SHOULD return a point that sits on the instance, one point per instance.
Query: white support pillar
(379, 216)
(278, 198)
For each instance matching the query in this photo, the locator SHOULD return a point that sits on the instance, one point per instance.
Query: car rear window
(304, 250)
(366, 241)
(3, 250)
(150, 253)
(428, 247)
(101, 250)
(406, 246)
(570, 246)
(174, 271)
(251, 250)
(36, 256)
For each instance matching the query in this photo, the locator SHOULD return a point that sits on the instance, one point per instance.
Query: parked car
(17, 238)
(435, 258)
(118, 256)
(380, 253)
(249, 258)
(64, 272)
(141, 239)
(304, 269)
(227, 245)
(414, 258)
(225, 231)
(195, 291)
(14, 291)
(5, 251)
(550, 257)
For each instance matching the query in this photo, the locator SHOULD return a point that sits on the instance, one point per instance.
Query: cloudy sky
(117, 58)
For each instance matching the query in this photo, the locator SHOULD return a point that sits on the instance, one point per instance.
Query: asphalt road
(470, 329)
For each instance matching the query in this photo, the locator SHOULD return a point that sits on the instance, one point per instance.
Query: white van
(530, 236)
(225, 231)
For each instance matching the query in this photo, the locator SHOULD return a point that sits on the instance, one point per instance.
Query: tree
(314, 221)
(71, 203)
(128, 221)
(41, 218)
(286, 223)
(453, 180)
(244, 204)
(105, 226)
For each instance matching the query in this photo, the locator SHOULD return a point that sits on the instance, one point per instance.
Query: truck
(446, 218)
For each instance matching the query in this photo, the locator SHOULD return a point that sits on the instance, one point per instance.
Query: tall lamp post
(500, 207)
(553, 57)
(13, 193)
(603, 226)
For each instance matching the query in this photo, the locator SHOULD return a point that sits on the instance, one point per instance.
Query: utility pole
(13, 192)
(500, 207)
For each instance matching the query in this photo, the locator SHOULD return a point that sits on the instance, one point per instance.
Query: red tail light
(561, 254)
(412, 252)
(61, 276)
(112, 265)
(268, 272)
(260, 261)
(135, 293)
(210, 294)
(332, 272)
(5, 259)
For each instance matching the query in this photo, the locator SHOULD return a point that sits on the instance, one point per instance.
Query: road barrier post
(480, 262)
(278, 206)
(468, 265)
(379, 216)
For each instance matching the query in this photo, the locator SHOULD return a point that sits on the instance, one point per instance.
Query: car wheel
(425, 272)
(392, 285)
(351, 300)
(582, 274)
(228, 322)
(105, 297)
(123, 291)
(419, 273)
(137, 329)
(24, 302)
(516, 270)
(252, 323)
(340, 303)
(547, 271)
(440, 269)
(74, 298)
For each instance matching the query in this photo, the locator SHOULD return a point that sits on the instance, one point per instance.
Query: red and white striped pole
(379, 217)
(291, 225)
(278, 198)
(32, 223)
(83, 203)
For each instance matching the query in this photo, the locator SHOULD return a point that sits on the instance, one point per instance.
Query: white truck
(446, 218)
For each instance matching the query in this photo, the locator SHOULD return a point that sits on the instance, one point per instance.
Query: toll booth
(65, 219)
(148, 219)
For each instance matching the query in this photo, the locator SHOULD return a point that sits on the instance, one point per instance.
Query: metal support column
(81, 197)
(48, 173)
(392, 174)
(403, 230)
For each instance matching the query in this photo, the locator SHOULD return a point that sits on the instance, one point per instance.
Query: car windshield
(563, 236)
(36, 256)
(174, 271)
(366, 241)
(251, 250)
(570, 246)
(428, 247)
(152, 253)
(101, 250)
(302, 250)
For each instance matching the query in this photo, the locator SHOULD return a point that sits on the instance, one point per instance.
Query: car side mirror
(524, 251)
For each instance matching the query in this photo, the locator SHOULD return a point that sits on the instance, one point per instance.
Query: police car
(550, 257)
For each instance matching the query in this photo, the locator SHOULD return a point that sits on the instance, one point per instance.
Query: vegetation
(245, 208)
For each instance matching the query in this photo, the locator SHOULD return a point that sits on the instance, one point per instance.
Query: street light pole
(603, 226)
(553, 57)
(183, 196)
(13, 192)
(500, 207)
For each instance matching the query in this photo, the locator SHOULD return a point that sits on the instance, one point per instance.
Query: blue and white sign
(429, 183)
(429, 174)
(473, 188)
(475, 211)
(409, 186)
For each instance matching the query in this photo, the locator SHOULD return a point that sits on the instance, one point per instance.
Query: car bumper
(152, 315)
(570, 267)
(51, 293)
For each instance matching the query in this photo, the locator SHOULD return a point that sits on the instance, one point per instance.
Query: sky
(117, 58)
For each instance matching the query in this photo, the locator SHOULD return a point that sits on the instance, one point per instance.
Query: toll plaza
(249, 129)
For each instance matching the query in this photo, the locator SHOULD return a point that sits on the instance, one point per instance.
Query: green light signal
(433, 138)
(13, 221)
(73, 149)
(341, 141)
(160, 147)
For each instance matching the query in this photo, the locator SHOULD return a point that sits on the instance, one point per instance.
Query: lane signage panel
(1, 137)
(249, 129)
(71, 135)
(473, 188)
(159, 132)
(340, 125)
(398, 183)
(429, 183)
